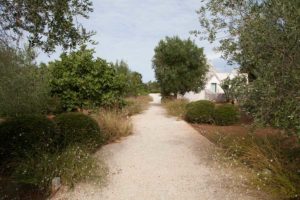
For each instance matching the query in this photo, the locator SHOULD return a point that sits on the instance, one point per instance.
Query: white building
(212, 90)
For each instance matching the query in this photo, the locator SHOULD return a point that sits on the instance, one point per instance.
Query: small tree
(24, 87)
(180, 66)
(82, 81)
(234, 88)
(134, 85)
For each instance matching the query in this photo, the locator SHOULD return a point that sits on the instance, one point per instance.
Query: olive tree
(180, 66)
(263, 37)
(46, 23)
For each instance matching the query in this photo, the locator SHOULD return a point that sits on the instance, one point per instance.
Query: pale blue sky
(130, 30)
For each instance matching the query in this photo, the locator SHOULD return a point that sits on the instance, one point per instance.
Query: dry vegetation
(272, 159)
(136, 105)
(114, 124)
(176, 107)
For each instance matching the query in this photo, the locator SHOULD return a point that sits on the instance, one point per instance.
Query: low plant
(274, 166)
(114, 124)
(78, 129)
(200, 111)
(72, 165)
(226, 114)
(26, 135)
(176, 107)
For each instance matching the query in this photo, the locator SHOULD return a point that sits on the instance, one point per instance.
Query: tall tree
(46, 23)
(263, 37)
(180, 66)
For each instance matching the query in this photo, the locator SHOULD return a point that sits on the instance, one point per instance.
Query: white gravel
(165, 159)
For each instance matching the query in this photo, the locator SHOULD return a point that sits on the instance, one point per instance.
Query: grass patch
(114, 124)
(273, 159)
(136, 105)
(176, 107)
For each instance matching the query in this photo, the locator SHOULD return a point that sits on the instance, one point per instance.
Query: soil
(165, 159)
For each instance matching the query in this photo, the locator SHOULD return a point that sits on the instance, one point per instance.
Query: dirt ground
(165, 159)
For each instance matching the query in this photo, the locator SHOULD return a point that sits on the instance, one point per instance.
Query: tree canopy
(263, 37)
(84, 82)
(46, 23)
(180, 66)
(134, 85)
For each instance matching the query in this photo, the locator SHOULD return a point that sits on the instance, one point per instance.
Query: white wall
(192, 96)
(214, 80)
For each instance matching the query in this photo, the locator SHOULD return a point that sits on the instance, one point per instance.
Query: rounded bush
(25, 136)
(78, 129)
(226, 115)
(200, 111)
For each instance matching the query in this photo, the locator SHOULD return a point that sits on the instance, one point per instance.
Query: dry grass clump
(275, 166)
(136, 105)
(114, 124)
(176, 107)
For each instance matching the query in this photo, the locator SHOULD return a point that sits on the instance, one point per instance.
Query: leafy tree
(263, 37)
(132, 80)
(153, 87)
(24, 87)
(82, 81)
(180, 66)
(46, 23)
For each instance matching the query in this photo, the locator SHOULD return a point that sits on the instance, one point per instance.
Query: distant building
(212, 90)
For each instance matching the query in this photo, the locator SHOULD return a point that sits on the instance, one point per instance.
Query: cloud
(130, 29)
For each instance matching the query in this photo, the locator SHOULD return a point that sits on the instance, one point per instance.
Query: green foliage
(25, 136)
(226, 115)
(179, 65)
(270, 106)
(34, 150)
(233, 88)
(200, 111)
(78, 129)
(72, 165)
(46, 23)
(153, 87)
(134, 85)
(24, 87)
(83, 82)
(263, 38)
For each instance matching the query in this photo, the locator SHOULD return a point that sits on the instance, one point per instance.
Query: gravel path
(165, 159)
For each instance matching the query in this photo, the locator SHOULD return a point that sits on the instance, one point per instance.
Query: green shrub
(82, 81)
(54, 106)
(79, 129)
(200, 111)
(74, 164)
(226, 115)
(26, 135)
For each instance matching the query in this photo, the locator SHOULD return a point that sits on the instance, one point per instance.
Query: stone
(56, 184)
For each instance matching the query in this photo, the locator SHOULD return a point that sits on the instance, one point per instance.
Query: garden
(54, 117)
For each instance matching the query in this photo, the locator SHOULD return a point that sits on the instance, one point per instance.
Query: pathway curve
(165, 159)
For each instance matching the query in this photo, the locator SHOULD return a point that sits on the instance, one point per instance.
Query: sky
(131, 29)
